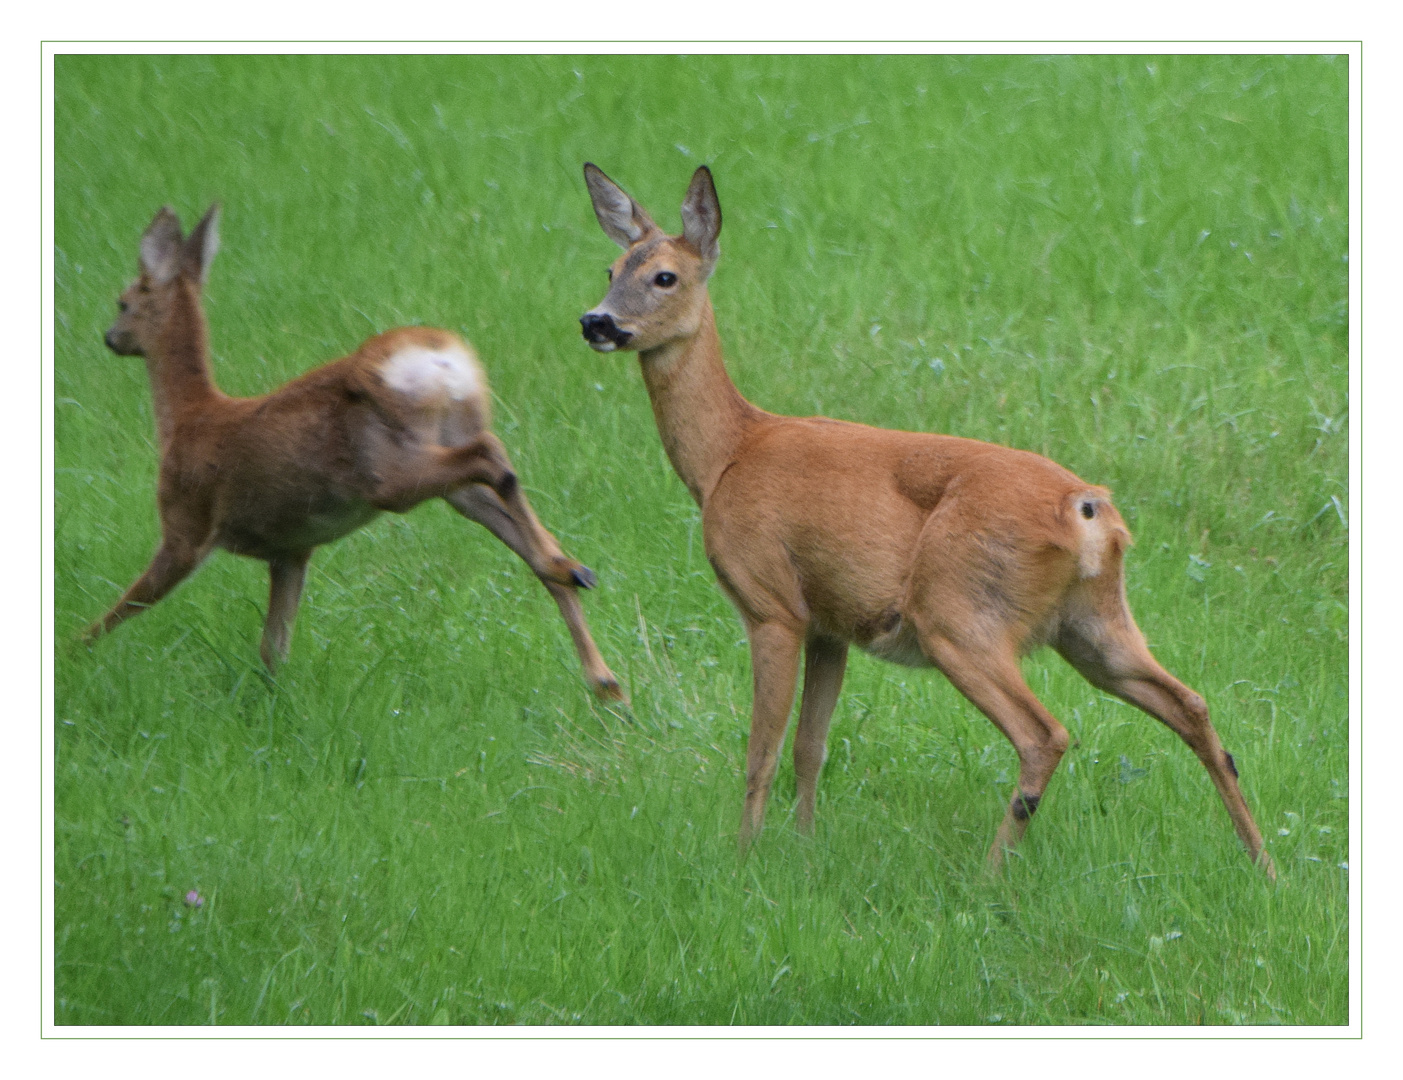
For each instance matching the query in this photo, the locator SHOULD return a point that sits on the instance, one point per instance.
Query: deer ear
(201, 246)
(622, 219)
(160, 247)
(701, 215)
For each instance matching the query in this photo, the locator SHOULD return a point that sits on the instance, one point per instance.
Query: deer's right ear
(622, 219)
(160, 247)
(202, 245)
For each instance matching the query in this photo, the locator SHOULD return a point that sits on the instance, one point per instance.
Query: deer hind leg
(774, 655)
(172, 564)
(1111, 654)
(285, 577)
(484, 462)
(537, 548)
(825, 660)
(989, 676)
(407, 477)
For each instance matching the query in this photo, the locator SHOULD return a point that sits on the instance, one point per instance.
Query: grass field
(1135, 265)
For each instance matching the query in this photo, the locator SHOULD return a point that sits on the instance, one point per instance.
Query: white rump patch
(434, 374)
(1091, 553)
(1093, 545)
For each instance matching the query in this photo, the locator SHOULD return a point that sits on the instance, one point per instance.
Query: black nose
(598, 327)
(120, 343)
(601, 328)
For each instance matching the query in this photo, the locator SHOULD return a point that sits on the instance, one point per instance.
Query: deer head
(166, 261)
(657, 287)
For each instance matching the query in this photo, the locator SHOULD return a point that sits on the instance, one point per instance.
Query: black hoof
(584, 577)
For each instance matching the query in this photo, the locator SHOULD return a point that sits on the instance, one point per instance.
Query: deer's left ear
(701, 215)
(201, 246)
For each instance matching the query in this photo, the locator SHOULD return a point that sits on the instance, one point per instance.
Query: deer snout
(120, 342)
(602, 333)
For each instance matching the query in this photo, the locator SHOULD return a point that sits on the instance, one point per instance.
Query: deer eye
(666, 280)
(609, 272)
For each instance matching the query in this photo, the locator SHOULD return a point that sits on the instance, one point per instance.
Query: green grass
(1132, 264)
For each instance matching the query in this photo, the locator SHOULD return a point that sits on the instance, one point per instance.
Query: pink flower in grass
(194, 899)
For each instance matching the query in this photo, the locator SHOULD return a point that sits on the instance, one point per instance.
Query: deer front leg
(774, 655)
(171, 565)
(825, 660)
(481, 504)
(286, 575)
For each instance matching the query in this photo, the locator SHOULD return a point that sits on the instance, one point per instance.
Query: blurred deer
(925, 550)
(403, 419)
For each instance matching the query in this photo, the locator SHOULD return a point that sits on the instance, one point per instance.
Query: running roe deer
(402, 419)
(921, 549)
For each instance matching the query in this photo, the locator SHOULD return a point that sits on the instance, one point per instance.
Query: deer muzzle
(602, 333)
(121, 342)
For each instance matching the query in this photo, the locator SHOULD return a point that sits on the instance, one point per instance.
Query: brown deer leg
(774, 655)
(171, 565)
(405, 481)
(481, 504)
(602, 681)
(286, 575)
(551, 564)
(444, 472)
(994, 684)
(825, 660)
(1119, 663)
(514, 523)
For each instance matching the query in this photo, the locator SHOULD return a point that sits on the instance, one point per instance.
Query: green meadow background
(1133, 264)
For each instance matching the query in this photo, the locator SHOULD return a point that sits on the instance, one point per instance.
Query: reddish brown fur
(274, 477)
(923, 549)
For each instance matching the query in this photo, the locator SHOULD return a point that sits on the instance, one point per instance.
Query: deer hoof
(608, 689)
(584, 577)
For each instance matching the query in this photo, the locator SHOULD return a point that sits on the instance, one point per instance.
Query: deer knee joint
(1025, 806)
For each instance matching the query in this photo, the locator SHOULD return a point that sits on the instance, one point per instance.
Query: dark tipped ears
(701, 215)
(201, 246)
(160, 246)
(622, 219)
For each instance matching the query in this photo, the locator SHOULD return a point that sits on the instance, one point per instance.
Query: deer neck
(180, 369)
(701, 415)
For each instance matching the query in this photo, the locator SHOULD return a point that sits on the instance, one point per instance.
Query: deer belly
(287, 528)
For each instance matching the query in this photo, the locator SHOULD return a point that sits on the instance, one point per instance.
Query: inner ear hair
(701, 215)
(161, 246)
(622, 219)
(202, 245)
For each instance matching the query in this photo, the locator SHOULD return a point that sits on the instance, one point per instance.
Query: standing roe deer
(401, 420)
(922, 549)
